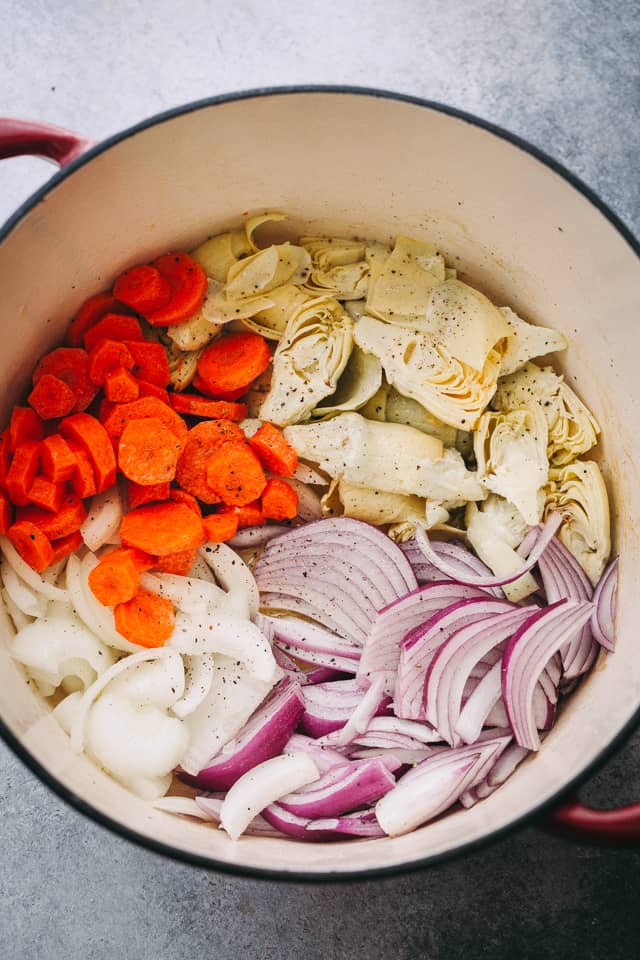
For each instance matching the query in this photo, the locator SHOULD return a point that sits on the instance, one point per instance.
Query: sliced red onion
(307, 637)
(263, 736)
(485, 707)
(365, 711)
(396, 755)
(352, 785)
(501, 770)
(460, 651)
(602, 621)
(258, 827)
(330, 665)
(381, 651)
(420, 645)
(526, 656)
(355, 825)
(256, 536)
(329, 706)
(390, 731)
(564, 578)
(434, 785)
(324, 757)
(458, 556)
(291, 669)
(451, 568)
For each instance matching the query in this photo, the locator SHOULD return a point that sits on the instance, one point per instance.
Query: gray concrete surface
(565, 76)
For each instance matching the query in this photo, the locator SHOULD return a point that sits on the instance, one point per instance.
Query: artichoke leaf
(376, 407)
(384, 456)
(577, 491)
(183, 366)
(338, 267)
(267, 269)
(378, 507)
(401, 409)
(361, 380)
(526, 341)
(511, 453)
(199, 329)
(464, 322)
(218, 254)
(400, 290)
(494, 530)
(452, 391)
(309, 360)
(573, 430)
(271, 322)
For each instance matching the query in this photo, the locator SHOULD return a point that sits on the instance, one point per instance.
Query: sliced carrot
(219, 527)
(83, 481)
(6, 512)
(113, 326)
(88, 315)
(71, 365)
(115, 579)
(65, 545)
(47, 494)
(235, 474)
(162, 528)
(142, 561)
(179, 563)
(121, 414)
(142, 288)
(138, 493)
(181, 496)
(32, 544)
(66, 520)
(274, 451)
(90, 433)
(150, 362)
(106, 356)
(188, 283)
(248, 516)
(195, 406)
(230, 395)
(22, 472)
(105, 408)
(148, 451)
(203, 440)
(51, 397)
(279, 500)
(147, 389)
(5, 459)
(57, 459)
(146, 619)
(25, 424)
(233, 362)
(120, 386)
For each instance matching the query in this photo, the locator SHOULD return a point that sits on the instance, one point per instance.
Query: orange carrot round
(51, 397)
(119, 417)
(113, 326)
(138, 493)
(57, 459)
(279, 500)
(88, 315)
(82, 481)
(67, 519)
(47, 494)
(162, 528)
(89, 433)
(178, 563)
(115, 579)
(142, 288)
(146, 619)
(274, 451)
(32, 544)
(150, 362)
(203, 439)
(248, 516)
(233, 362)
(71, 365)
(6, 512)
(235, 474)
(148, 451)
(22, 471)
(195, 406)
(219, 527)
(181, 496)
(188, 283)
(120, 386)
(25, 424)
(65, 545)
(108, 355)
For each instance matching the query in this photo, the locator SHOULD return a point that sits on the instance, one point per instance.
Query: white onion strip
(30, 577)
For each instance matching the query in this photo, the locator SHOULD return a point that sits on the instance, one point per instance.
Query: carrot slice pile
(67, 519)
(143, 288)
(162, 528)
(248, 516)
(82, 481)
(57, 459)
(148, 389)
(6, 512)
(150, 362)
(274, 451)
(121, 414)
(88, 315)
(181, 496)
(22, 472)
(203, 440)
(178, 563)
(24, 425)
(219, 527)
(148, 451)
(195, 406)
(115, 579)
(106, 356)
(32, 544)
(138, 493)
(92, 436)
(233, 362)
(65, 545)
(52, 397)
(47, 494)
(235, 474)
(120, 386)
(71, 365)
(113, 326)
(279, 500)
(146, 619)
(188, 283)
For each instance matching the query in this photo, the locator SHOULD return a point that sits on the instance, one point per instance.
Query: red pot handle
(601, 826)
(19, 137)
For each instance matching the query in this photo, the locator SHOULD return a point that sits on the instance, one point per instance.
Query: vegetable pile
(299, 540)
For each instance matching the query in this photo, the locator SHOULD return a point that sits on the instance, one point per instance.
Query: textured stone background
(564, 75)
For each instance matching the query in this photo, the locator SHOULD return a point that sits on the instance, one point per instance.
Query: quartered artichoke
(527, 341)
(218, 254)
(401, 409)
(338, 267)
(376, 506)
(401, 286)
(308, 361)
(511, 454)
(494, 530)
(577, 491)
(360, 381)
(271, 322)
(572, 428)
(452, 391)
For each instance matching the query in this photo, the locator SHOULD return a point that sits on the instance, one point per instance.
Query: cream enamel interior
(358, 166)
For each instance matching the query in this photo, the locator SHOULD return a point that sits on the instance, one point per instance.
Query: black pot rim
(210, 863)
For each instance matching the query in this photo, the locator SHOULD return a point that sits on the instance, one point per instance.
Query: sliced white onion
(181, 806)
(24, 597)
(95, 616)
(234, 576)
(229, 636)
(103, 518)
(198, 680)
(30, 577)
(192, 596)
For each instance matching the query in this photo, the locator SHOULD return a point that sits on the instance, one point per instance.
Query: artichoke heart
(270, 322)
(218, 254)
(400, 409)
(308, 361)
(573, 429)
(400, 288)
(360, 381)
(577, 491)
(378, 507)
(452, 391)
(338, 267)
(383, 456)
(526, 341)
(511, 453)
(267, 269)
(198, 330)
(494, 530)
(183, 366)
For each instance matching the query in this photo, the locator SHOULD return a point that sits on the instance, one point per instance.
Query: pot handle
(20, 137)
(621, 826)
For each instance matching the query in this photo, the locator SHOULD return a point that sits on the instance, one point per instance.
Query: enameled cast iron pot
(350, 162)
